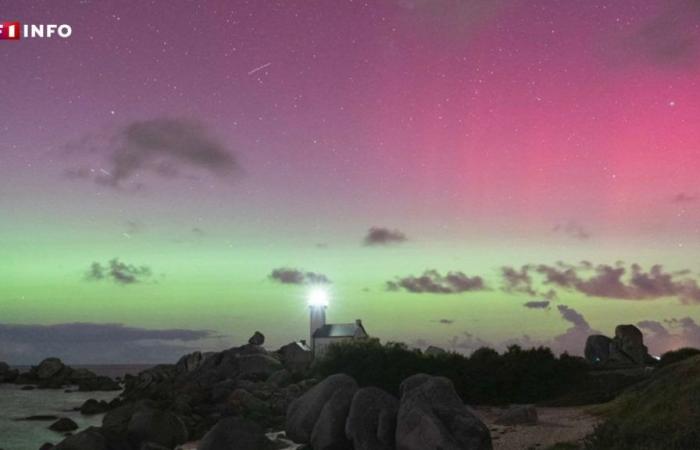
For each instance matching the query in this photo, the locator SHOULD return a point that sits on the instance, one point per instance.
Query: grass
(662, 412)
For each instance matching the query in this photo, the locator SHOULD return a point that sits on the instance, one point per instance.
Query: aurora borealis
(186, 171)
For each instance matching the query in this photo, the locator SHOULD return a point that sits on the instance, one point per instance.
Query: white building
(324, 334)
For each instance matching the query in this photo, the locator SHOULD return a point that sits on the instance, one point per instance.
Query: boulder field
(228, 401)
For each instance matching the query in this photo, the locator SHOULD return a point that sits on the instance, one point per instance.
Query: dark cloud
(296, 276)
(165, 147)
(515, 280)
(537, 304)
(520, 281)
(573, 230)
(198, 232)
(119, 272)
(684, 198)
(671, 38)
(383, 236)
(617, 281)
(446, 321)
(95, 343)
(433, 282)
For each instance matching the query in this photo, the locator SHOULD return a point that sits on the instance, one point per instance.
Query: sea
(30, 435)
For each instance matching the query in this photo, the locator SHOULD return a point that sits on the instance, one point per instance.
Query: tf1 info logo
(13, 31)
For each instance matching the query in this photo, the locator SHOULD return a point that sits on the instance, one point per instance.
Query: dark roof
(339, 330)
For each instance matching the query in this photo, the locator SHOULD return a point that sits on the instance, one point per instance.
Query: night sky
(178, 174)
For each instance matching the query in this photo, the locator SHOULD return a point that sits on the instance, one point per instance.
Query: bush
(662, 412)
(677, 355)
(486, 377)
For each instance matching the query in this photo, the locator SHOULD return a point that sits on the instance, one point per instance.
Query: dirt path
(555, 425)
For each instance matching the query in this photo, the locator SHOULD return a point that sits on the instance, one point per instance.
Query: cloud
(445, 321)
(537, 304)
(671, 38)
(383, 236)
(96, 343)
(119, 272)
(617, 281)
(433, 282)
(296, 276)
(671, 334)
(684, 198)
(520, 281)
(573, 230)
(572, 340)
(164, 147)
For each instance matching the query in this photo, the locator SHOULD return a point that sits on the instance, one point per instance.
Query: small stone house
(332, 333)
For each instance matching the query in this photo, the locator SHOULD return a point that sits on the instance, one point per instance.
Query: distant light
(318, 297)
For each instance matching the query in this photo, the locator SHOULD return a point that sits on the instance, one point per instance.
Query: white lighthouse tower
(318, 302)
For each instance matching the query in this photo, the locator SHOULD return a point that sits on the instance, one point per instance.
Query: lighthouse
(318, 302)
(322, 335)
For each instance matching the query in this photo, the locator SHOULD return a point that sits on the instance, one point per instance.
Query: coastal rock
(235, 433)
(257, 366)
(371, 422)
(116, 421)
(257, 339)
(92, 407)
(189, 363)
(159, 427)
(90, 439)
(431, 416)
(97, 383)
(597, 349)
(280, 378)
(49, 368)
(304, 412)
(625, 350)
(246, 404)
(630, 341)
(296, 356)
(7, 375)
(329, 431)
(518, 415)
(63, 425)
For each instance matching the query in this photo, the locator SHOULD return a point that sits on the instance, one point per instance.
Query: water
(29, 435)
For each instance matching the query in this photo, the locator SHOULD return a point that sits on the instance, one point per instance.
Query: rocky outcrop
(91, 407)
(163, 405)
(52, 373)
(371, 422)
(432, 417)
(429, 416)
(597, 349)
(304, 412)
(626, 349)
(156, 426)
(91, 439)
(7, 374)
(295, 356)
(235, 433)
(257, 339)
(63, 425)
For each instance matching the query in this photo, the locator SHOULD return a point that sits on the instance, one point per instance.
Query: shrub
(675, 356)
(486, 377)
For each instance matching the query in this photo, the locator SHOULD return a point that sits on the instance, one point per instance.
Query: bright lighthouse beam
(318, 297)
